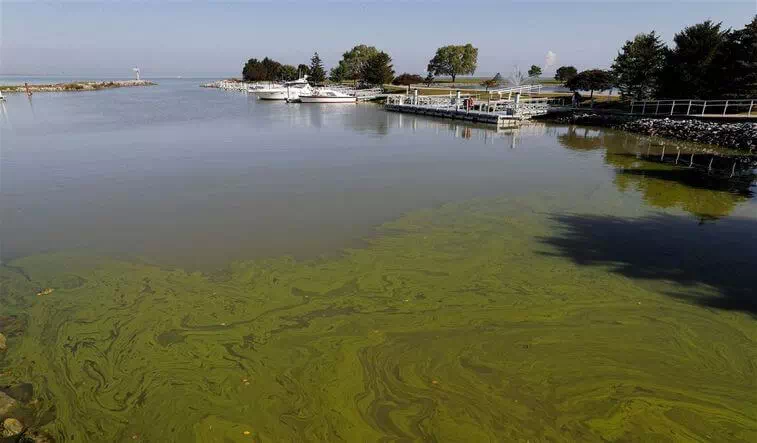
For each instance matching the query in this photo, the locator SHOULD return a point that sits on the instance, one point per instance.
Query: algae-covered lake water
(230, 270)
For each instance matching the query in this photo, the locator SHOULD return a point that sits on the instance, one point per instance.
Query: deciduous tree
(591, 80)
(534, 72)
(351, 65)
(253, 71)
(406, 79)
(565, 73)
(492, 82)
(303, 69)
(266, 69)
(454, 60)
(287, 72)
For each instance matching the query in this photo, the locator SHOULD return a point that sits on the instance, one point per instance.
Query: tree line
(365, 64)
(705, 62)
(268, 69)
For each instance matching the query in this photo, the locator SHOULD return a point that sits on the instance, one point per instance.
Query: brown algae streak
(463, 323)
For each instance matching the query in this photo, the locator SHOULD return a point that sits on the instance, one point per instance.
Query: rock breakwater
(229, 84)
(737, 135)
(76, 86)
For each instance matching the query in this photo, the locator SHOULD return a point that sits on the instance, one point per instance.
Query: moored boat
(288, 91)
(325, 95)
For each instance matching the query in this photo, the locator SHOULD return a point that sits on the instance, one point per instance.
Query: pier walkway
(503, 113)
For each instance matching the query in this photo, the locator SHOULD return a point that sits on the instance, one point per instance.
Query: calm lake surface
(224, 269)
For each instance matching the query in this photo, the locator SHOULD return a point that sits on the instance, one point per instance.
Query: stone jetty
(75, 86)
(741, 136)
(736, 135)
(228, 84)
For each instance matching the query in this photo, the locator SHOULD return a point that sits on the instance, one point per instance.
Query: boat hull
(272, 95)
(318, 99)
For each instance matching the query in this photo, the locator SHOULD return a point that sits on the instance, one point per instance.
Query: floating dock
(504, 113)
(499, 119)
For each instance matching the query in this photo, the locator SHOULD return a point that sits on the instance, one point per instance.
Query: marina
(302, 228)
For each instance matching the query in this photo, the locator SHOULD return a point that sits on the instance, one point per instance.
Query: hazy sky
(214, 38)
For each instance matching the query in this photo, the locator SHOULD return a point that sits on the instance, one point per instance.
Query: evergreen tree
(336, 74)
(693, 66)
(737, 63)
(429, 79)
(378, 70)
(317, 73)
(638, 66)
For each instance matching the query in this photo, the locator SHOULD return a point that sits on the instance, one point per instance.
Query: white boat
(325, 95)
(2, 99)
(288, 91)
(255, 87)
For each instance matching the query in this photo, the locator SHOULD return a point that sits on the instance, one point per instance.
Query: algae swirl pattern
(456, 324)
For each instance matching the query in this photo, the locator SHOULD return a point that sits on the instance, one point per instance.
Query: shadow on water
(721, 256)
(693, 178)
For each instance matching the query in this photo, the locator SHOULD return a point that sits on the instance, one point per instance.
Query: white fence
(520, 107)
(695, 107)
(523, 89)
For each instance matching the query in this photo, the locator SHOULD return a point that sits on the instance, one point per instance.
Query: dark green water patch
(483, 321)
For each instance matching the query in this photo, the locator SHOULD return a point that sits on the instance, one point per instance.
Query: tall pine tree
(378, 70)
(638, 66)
(738, 63)
(317, 73)
(693, 66)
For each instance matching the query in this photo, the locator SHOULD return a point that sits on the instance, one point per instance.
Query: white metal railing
(520, 107)
(746, 107)
(437, 101)
(523, 89)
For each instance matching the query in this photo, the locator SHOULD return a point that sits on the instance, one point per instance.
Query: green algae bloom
(468, 322)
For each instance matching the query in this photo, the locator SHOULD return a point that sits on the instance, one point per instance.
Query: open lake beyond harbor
(189, 264)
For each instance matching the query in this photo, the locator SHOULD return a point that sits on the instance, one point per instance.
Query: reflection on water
(687, 177)
(453, 282)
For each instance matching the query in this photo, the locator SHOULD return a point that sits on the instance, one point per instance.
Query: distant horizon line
(220, 76)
